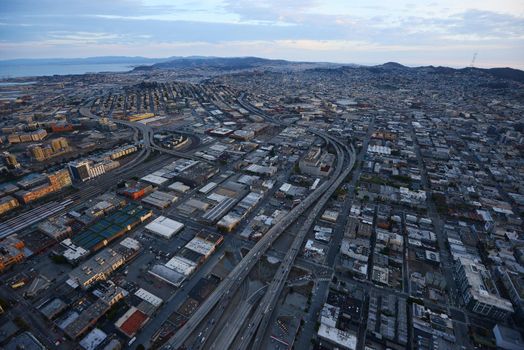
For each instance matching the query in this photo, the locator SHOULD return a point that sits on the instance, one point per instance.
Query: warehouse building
(97, 268)
(197, 174)
(176, 270)
(317, 163)
(154, 179)
(160, 199)
(136, 190)
(164, 227)
(179, 187)
(239, 212)
(109, 228)
(131, 322)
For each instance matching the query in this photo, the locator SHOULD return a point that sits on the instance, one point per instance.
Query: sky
(412, 32)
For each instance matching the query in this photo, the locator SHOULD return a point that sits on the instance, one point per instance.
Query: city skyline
(425, 33)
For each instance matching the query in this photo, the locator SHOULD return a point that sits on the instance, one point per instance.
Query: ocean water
(38, 70)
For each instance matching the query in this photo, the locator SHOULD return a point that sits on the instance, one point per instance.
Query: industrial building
(82, 322)
(149, 297)
(53, 308)
(98, 268)
(55, 229)
(160, 200)
(154, 179)
(109, 228)
(239, 212)
(131, 322)
(136, 190)
(198, 174)
(186, 261)
(77, 324)
(164, 227)
(179, 187)
(93, 339)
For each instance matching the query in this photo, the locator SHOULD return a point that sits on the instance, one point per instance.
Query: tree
(21, 323)
(59, 259)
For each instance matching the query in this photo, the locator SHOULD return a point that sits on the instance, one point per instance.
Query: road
(230, 284)
(147, 136)
(321, 289)
(259, 322)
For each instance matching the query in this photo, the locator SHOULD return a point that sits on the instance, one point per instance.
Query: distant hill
(224, 63)
(392, 65)
(242, 63)
(506, 73)
(501, 73)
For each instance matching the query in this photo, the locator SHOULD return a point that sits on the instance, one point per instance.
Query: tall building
(479, 291)
(80, 170)
(514, 284)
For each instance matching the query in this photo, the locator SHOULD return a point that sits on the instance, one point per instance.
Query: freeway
(260, 320)
(320, 294)
(228, 334)
(230, 284)
(147, 137)
(240, 272)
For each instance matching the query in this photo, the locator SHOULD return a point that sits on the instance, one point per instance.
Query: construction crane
(472, 64)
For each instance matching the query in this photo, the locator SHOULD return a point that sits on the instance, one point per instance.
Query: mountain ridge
(251, 62)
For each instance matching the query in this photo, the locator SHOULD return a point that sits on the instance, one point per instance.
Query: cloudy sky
(413, 32)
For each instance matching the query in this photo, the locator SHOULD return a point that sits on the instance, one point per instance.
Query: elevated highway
(226, 289)
(253, 334)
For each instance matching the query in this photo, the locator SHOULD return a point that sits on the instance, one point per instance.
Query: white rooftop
(344, 339)
(164, 226)
(149, 297)
(154, 179)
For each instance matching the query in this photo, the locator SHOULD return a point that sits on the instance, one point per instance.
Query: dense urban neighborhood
(245, 203)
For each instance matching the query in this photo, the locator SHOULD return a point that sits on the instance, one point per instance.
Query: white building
(164, 227)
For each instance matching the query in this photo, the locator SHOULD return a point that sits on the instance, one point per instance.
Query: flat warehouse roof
(164, 226)
(157, 180)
